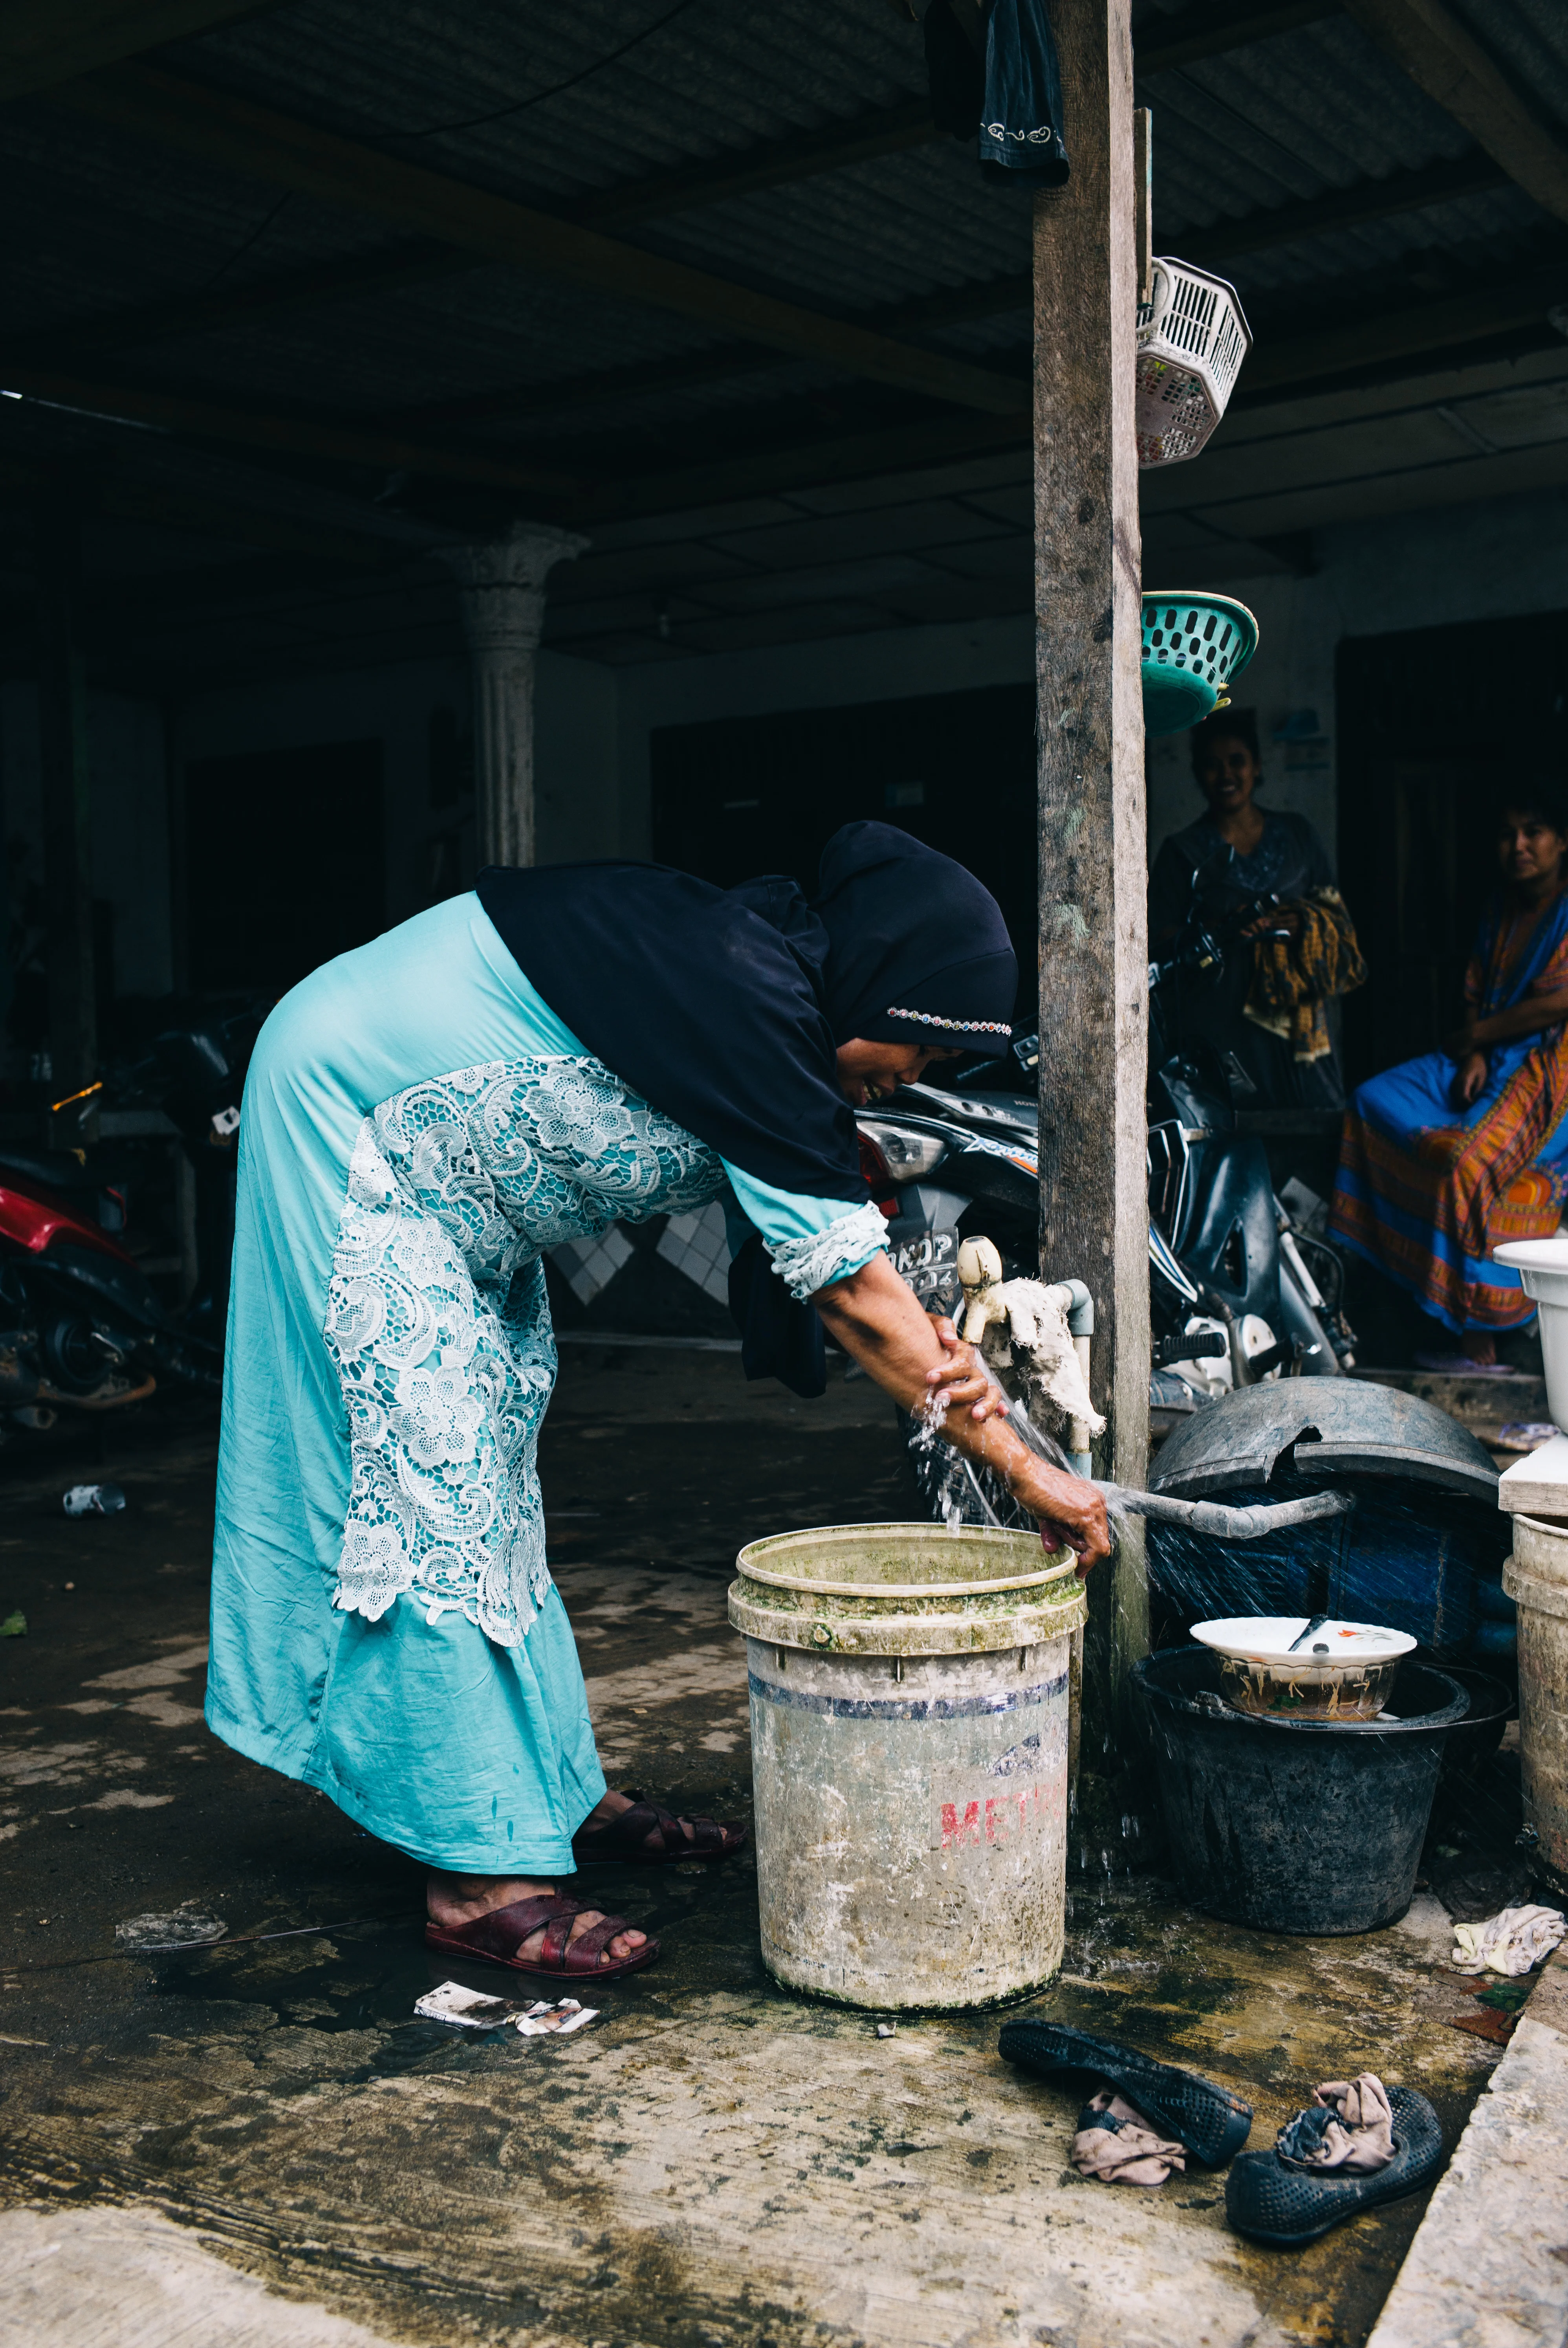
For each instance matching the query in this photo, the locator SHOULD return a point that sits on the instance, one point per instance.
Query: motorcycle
(1240, 1291)
(80, 1324)
(1233, 1268)
(196, 1076)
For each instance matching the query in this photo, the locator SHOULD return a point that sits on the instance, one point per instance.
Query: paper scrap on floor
(470, 2009)
(544, 2020)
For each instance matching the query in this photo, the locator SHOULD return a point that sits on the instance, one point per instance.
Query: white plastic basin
(1345, 1670)
(1542, 1266)
(1272, 1639)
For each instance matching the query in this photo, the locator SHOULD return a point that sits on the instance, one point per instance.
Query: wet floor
(714, 2161)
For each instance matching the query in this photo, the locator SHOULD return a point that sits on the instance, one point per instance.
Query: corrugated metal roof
(611, 91)
(707, 78)
(1308, 111)
(1529, 38)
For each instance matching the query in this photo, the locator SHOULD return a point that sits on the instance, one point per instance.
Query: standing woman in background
(1263, 1013)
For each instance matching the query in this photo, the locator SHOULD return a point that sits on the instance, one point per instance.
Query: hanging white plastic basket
(1191, 340)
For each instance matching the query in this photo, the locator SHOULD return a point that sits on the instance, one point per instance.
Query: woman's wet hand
(963, 1378)
(1068, 1510)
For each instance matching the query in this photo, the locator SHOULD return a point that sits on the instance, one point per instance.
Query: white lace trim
(439, 1326)
(805, 1265)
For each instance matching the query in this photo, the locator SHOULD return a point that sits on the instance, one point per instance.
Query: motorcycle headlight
(907, 1155)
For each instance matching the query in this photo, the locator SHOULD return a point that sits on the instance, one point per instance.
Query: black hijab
(723, 1007)
(916, 947)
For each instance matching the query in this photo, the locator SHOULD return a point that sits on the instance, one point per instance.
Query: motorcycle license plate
(929, 1263)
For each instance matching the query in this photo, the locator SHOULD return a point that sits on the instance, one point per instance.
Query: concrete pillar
(502, 583)
(63, 760)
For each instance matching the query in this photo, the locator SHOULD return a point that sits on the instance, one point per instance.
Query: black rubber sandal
(1210, 2121)
(1270, 2202)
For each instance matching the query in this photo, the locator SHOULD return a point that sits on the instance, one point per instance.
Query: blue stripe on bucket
(933, 1707)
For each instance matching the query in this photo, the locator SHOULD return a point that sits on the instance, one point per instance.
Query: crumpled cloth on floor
(1116, 2144)
(1028, 1333)
(1348, 2125)
(1508, 1943)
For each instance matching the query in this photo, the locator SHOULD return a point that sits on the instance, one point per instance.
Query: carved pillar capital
(501, 583)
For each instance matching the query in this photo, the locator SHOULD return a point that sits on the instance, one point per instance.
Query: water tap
(979, 1275)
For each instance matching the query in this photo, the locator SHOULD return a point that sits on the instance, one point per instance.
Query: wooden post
(66, 776)
(1093, 970)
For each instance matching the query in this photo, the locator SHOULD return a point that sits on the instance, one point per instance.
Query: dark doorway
(285, 863)
(744, 795)
(1432, 725)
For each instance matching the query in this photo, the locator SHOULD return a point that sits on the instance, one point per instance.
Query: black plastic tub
(1300, 1826)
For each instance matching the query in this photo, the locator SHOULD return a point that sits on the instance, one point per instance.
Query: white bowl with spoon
(1309, 1666)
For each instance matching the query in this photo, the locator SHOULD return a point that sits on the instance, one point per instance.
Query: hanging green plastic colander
(1194, 647)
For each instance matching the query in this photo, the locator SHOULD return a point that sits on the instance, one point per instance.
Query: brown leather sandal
(496, 1938)
(624, 1837)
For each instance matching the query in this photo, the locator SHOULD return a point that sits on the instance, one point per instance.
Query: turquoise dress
(418, 1129)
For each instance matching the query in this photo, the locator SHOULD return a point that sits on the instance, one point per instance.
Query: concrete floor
(190, 2140)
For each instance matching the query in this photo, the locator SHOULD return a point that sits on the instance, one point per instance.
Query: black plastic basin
(1300, 1826)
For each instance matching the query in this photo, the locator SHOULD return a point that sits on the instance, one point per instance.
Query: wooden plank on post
(65, 774)
(1144, 199)
(1093, 968)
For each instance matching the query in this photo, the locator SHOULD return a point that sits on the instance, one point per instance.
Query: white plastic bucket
(1542, 1266)
(910, 1730)
(1536, 1578)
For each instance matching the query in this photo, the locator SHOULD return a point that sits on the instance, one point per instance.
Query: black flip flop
(1210, 2121)
(1269, 2202)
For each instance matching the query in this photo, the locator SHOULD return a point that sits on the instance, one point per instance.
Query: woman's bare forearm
(1531, 1017)
(881, 1324)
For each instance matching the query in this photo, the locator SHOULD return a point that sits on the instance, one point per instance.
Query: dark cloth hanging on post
(1021, 122)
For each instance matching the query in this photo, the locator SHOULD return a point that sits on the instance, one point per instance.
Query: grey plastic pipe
(1210, 1516)
(1081, 1308)
(1229, 1524)
(1081, 1328)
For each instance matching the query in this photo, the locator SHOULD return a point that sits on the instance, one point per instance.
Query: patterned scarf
(1292, 978)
